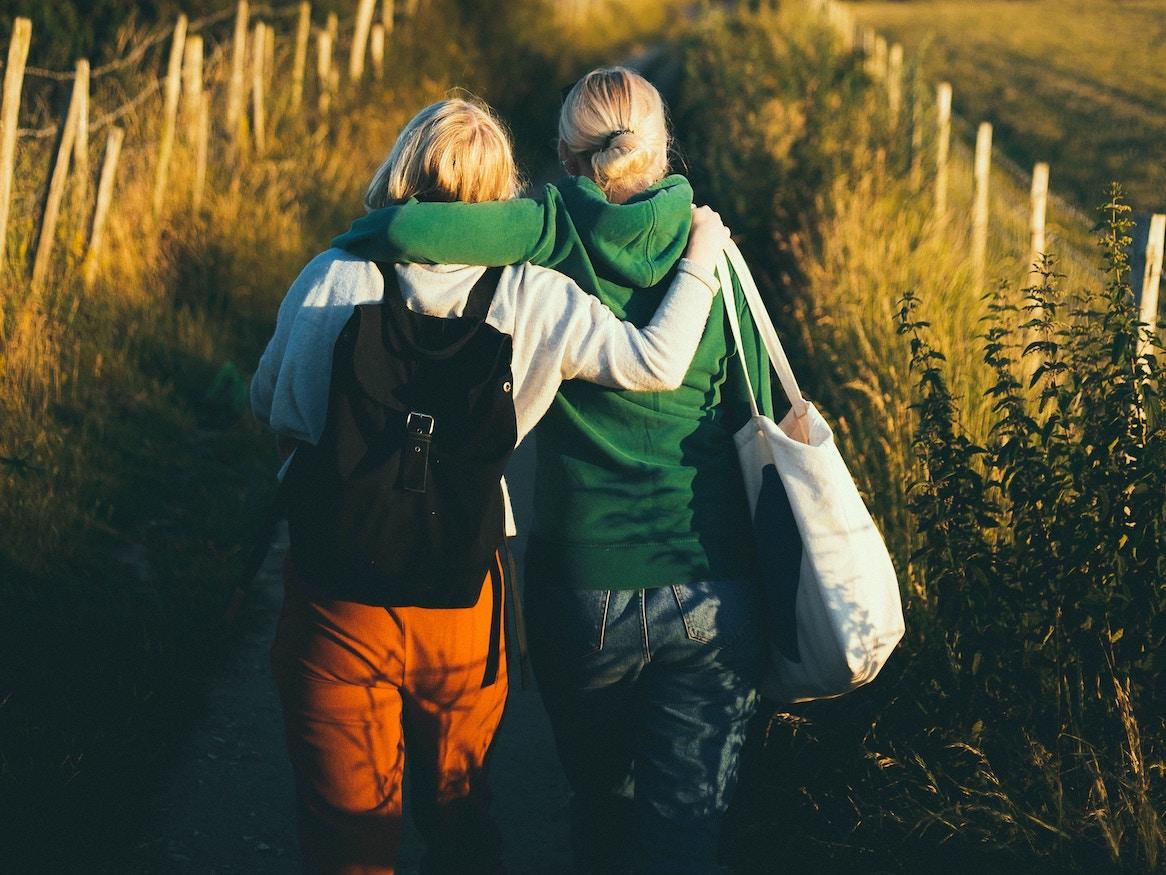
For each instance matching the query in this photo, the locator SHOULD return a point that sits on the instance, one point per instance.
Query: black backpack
(400, 504)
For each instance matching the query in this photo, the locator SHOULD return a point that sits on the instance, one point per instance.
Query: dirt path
(230, 806)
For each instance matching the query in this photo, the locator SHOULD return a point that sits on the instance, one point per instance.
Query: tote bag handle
(777, 356)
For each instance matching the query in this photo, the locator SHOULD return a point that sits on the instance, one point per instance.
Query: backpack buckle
(419, 423)
(415, 453)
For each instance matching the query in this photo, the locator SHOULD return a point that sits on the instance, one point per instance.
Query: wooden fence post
(846, 29)
(333, 25)
(983, 173)
(1148, 310)
(1040, 197)
(258, 56)
(192, 86)
(360, 39)
(942, 147)
(170, 113)
(104, 198)
(324, 69)
(387, 15)
(10, 118)
(235, 96)
(880, 57)
(916, 139)
(57, 182)
(268, 58)
(300, 58)
(376, 50)
(195, 113)
(81, 142)
(868, 49)
(895, 82)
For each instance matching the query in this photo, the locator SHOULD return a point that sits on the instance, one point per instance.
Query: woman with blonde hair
(640, 577)
(404, 389)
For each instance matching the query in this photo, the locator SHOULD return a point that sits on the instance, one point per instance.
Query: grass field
(1078, 83)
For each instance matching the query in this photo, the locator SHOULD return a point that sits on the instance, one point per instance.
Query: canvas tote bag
(833, 610)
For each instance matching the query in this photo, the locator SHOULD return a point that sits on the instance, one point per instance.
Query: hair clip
(611, 137)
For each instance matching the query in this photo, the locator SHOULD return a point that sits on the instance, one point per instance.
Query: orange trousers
(366, 690)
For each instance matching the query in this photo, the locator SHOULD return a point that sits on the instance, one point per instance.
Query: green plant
(1069, 514)
(1010, 446)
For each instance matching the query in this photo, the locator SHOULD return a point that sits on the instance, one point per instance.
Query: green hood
(638, 241)
(634, 243)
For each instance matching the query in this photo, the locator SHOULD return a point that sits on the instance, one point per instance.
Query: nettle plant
(1043, 551)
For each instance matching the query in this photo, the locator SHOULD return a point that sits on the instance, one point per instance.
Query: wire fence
(208, 86)
(885, 63)
(237, 72)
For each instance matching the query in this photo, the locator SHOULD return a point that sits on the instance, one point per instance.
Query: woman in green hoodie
(641, 593)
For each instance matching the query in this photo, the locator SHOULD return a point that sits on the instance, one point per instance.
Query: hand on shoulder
(708, 237)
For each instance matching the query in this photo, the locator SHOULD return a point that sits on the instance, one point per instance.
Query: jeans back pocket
(719, 611)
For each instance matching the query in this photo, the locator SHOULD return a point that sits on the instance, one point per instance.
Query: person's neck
(577, 166)
(616, 195)
(620, 196)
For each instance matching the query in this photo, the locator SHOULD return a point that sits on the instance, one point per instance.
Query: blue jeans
(649, 693)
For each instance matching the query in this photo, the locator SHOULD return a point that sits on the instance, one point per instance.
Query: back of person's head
(613, 119)
(453, 150)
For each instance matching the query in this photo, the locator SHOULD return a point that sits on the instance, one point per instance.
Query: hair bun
(613, 118)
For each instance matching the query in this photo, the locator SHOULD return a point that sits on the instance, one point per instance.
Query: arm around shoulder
(494, 233)
(573, 335)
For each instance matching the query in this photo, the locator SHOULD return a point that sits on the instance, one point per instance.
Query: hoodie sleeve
(573, 228)
(496, 233)
(289, 391)
(561, 333)
(654, 358)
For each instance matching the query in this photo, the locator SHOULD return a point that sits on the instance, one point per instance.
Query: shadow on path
(230, 808)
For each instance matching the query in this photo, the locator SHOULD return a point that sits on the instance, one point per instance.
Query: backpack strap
(504, 579)
(477, 301)
(482, 294)
(498, 584)
(519, 617)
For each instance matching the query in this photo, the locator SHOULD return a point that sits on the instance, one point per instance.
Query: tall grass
(133, 488)
(1008, 440)
(132, 476)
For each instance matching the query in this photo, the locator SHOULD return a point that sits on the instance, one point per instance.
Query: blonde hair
(615, 118)
(453, 150)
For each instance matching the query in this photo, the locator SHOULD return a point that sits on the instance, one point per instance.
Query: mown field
(1078, 83)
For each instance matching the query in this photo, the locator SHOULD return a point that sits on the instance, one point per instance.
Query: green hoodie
(633, 489)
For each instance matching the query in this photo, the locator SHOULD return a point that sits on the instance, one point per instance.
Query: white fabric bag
(834, 613)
